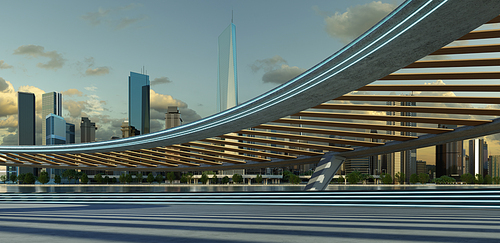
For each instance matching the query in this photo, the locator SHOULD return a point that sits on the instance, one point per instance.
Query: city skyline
(92, 83)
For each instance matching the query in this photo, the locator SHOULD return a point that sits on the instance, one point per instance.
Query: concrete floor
(195, 223)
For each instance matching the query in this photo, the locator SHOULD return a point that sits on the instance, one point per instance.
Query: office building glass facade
(227, 80)
(51, 104)
(55, 130)
(138, 102)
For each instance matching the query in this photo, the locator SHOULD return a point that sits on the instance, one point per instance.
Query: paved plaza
(220, 223)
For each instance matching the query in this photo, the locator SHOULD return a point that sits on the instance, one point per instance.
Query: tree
(128, 178)
(20, 178)
(29, 178)
(57, 179)
(85, 178)
(286, 175)
(341, 179)
(214, 179)
(13, 177)
(400, 177)
(423, 178)
(294, 179)
(237, 178)
(123, 178)
(138, 176)
(44, 177)
(69, 174)
(444, 180)
(414, 179)
(159, 178)
(170, 177)
(98, 178)
(3, 178)
(204, 178)
(354, 177)
(467, 178)
(225, 180)
(496, 180)
(150, 178)
(488, 179)
(386, 178)
(479, 179)
(258, 179)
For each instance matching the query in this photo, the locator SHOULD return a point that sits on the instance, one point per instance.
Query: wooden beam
(434, 76)
(494, 20)
(161, 155)
(99, 158)
(202, 156)
(207, 151)
(455, 63)
(137, 157)
(450, 50)
(311, 138)
(363, 126)
(431, 120)
(114, 156)
(419, 109)
(440, 88)
(15, 160)
(57, 160)
(481, 34)
(337, 132)
(211, 145)
(23, 158)
(421, 98)
(82, 159)
(170, 153)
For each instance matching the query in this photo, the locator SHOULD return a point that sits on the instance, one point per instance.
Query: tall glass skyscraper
(56, 130)
(227, 80)
(138, 101)
(26, 118)
(51, 104)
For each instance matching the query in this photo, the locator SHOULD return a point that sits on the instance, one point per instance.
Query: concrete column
(323, 174)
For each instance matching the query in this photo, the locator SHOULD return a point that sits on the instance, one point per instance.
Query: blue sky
(86, 50)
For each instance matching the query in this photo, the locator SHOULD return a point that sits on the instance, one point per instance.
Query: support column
(323, 174)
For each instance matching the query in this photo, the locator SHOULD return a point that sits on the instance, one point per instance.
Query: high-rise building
(70, 133)
(87, 130)
(173, 117)
(494, 166)
(421, 167)
(478, 157)
(403, 161)
(449, 157)
(128, 131)
(55, 130)
(51, 104)
(227, 79)
(25, 127)
(26, 118)
(138, 102)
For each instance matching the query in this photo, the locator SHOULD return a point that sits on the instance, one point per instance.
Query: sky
(86, 50)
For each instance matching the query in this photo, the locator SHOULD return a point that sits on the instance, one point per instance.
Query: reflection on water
(217, 188)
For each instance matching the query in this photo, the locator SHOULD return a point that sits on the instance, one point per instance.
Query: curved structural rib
(412, 31)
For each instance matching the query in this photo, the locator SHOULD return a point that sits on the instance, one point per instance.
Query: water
(216, 188)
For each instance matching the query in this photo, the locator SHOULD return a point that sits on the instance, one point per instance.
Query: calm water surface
(214, 188)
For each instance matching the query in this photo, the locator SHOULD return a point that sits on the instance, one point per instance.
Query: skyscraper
(478, 157)
(227, 79)
(172, 117)
(449, 157)
(55, 130)
(138, 102)
(51, 104)
(70, 133)
(26, 118)
(87, 129)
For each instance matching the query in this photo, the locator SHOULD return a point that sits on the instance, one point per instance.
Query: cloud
(161, 80)
(10, 139)
(32, 51)
(75, 108)
(159, 104)
(112, 17)
(97, 71)
(276, 70)
(356, 20)
(8, 99)
(126, 22)
(72, 92)
(4, 65)
(91, 107)
(9, 122)
(91, 88)
(3, 85)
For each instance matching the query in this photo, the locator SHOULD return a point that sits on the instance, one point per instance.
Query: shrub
(444, 180)
(467, 178)
(354, 177)
(341, 179)
(423, 178)
(13, 177)
(159, 178)
(258, 179)
(400, 177)
(98, 178)
(138, 177)
(128, 178)
(496, 180)
(150, 178)
(3, 178)
(20, 178)
(57, 179)
(413, 178)
(44, 177)
(225, 180)
(107, 180)
(171, 177)
(29, 178)
(479, 179)
(237, 178)
(204, 178)
(488, 179)
(386, 178)
(85, 178)
(214, 179)
(294, 179)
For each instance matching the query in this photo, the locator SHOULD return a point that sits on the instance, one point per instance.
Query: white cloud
(160, 80)
(97, 71)
(33, 51)
(91, 88)
(113, 17)
(356, 20)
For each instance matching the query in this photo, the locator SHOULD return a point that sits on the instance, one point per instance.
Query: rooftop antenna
(232, 16)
